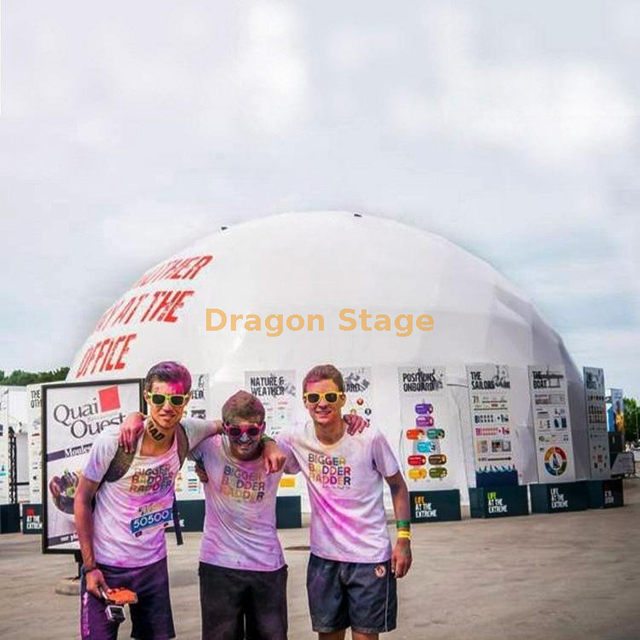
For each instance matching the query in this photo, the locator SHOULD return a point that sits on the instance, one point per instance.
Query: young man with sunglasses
(351, 577)
(122, 537)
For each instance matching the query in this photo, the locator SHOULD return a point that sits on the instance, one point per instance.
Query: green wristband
(403, 523)
(265, 439)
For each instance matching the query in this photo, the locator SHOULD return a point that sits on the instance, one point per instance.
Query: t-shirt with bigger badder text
(345, 482)
(240, 509)
(131, 514)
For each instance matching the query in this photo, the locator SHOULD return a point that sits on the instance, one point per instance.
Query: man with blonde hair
(351, 577)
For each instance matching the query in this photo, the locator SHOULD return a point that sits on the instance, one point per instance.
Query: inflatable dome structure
(286, 273)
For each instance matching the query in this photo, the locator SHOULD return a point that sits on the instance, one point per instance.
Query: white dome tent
(320, 263)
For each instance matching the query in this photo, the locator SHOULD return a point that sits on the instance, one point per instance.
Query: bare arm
(83, 514)
(401, 558)
(133, 427)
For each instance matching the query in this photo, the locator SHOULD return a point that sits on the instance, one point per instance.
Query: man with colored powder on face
(122, 538)
(352, 571)
(243, 576)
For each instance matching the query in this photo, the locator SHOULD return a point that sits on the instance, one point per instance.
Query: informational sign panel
(594, 390)
(277, 392)
(188, 486)
(31, 519)
(615, 411)
(426, 444)
(34, 434)
(552, 424)
(623, 464)
(489, 401)
(435, 506)
(74, 415)
(4, 445)
(357, 386)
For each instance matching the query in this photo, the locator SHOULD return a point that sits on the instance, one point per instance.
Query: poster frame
(44, 427)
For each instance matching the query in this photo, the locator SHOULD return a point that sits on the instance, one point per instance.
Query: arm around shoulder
(197, 430)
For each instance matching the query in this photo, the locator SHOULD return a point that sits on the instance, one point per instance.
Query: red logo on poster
(109, 399)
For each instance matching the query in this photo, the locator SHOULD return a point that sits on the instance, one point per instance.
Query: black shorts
(351, 594)
(235, 602)
(150, 617)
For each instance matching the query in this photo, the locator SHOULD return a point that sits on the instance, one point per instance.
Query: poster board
(489, 388)
(615, 411)
(188, 486)
(34, 433)
(277, 392)
(276, 389)
(4, 445)
(594, 390)
(73, 416)
(357, 386)
(552, 423)
(427, 440)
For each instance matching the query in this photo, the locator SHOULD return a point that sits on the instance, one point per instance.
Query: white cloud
(161, 228)
(552, 111)
(270, 73)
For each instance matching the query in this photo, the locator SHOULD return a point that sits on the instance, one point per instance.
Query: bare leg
(356, 635)
(335, 635)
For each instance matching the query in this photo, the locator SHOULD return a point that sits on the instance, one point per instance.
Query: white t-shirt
(131, 514)
(348, 521)
(240, 510)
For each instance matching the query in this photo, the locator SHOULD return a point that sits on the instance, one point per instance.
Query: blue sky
(128, 130)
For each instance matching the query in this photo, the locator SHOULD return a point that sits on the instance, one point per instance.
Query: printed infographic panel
(357, 386)
(4, 445)
(552, 424)
(426, 446)
(34, 394)
(277, 392)
(489, 388)
(594, 390)
(188, 486)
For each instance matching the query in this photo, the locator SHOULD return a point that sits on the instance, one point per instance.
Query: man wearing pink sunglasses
(243, 575)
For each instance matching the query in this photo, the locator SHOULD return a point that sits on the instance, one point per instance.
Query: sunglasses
(331, 397)
(235, 431)
(176, 400)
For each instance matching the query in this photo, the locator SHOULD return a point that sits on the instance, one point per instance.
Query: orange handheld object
(122, 596)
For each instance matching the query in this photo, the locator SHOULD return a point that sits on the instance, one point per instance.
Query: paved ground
(565, 576)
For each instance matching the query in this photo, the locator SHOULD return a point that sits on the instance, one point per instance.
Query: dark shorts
(235, 602)
(151, 617)
(351, 594)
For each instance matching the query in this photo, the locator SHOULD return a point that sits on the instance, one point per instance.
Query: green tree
(20, 378)
(631, 420)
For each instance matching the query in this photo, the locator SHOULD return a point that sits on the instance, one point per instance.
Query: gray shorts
(351, 594)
